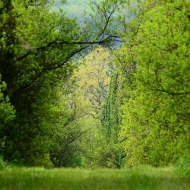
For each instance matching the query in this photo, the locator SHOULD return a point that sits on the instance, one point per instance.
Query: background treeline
(69, 100)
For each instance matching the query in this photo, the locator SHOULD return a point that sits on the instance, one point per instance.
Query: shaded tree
(36, 46)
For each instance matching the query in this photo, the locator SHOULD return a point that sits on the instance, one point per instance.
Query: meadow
(139, 178)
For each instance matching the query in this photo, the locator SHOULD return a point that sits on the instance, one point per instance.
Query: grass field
(140, 178)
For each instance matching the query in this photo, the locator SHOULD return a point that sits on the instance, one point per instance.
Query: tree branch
(61, 43)
(38, 75)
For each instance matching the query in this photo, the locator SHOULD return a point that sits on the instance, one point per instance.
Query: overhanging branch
(38, 75)
(61, 43)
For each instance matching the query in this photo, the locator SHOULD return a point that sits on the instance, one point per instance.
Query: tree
(93, 78)
(73, 123)
(155, 119)
(111, 123)
(36, 46)
(92, 83)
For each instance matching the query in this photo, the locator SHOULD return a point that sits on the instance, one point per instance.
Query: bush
(2, 163)
(184, 166)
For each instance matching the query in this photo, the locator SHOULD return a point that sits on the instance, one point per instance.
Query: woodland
(109, 88)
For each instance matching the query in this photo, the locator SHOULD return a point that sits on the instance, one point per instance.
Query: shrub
(2, 163)
(184, 166)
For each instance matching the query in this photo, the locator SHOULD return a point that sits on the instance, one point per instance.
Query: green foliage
(30, 80)
(49, 119)
(6, 110)
(92, 81)
(7, 114)
(2, 163)
(111, 121)
(184, 166)
(156, 108)
(36, 48)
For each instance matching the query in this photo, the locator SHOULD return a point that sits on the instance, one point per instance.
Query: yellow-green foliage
(156, 110)
(92, 80)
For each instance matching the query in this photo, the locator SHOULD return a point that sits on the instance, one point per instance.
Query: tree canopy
(37, 46)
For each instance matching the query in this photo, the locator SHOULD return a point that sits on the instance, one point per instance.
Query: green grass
(142, 178)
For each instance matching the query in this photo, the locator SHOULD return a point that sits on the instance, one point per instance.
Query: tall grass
(140, 178)
(2, 163)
